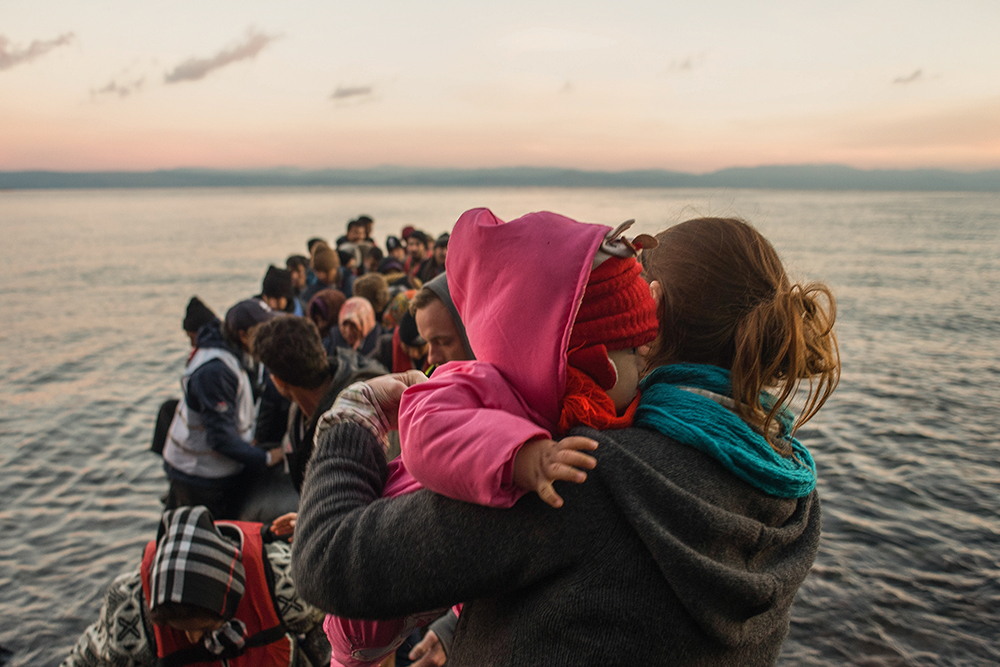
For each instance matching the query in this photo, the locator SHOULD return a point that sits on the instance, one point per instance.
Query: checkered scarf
(194, 564)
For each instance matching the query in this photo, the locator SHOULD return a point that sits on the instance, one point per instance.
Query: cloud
(10, 56)
(688, 64)
(346, 92)
(120, 88)
(194, 69)
(554, 39)
(917, 75)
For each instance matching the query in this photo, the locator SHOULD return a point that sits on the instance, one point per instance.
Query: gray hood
(733, 555)
(439, 286)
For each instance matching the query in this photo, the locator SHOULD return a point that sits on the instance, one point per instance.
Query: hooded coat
(662, 557)
(517, 286)
(209, 439)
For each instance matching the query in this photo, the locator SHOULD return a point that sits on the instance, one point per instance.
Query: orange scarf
(586, 404)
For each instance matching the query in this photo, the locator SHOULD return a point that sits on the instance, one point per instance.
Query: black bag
(163, 420)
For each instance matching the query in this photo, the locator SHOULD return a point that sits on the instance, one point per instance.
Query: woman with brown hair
(736, 340)
(685, 545)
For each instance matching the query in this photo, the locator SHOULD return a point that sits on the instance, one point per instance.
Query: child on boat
(555, 311)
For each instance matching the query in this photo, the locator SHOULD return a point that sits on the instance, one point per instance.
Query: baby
(555, 311)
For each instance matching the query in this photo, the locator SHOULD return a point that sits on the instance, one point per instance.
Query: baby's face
(628, 363)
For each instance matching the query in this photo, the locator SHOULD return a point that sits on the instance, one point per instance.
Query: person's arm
(118, 637)
(213, 388)
(272, 416)
(433, 649)
(346, 556)
(460, 431)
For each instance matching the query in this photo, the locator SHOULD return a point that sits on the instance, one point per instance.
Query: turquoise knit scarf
(686, 403)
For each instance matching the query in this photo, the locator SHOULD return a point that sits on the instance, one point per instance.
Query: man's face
(416, 249)
(299, 277)
(196, 628)
(327, 278)
(398, 253)
(440, 252)
(276, 302)
(356, 234)
(436, 327)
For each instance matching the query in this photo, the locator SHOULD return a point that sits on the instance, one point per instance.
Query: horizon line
(778, 176)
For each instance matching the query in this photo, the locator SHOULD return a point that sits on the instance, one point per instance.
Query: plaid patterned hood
(195, 564)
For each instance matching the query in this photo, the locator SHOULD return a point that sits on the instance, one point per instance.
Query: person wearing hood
(196, 316)
(209, 443)
(277, 291)
(206, 592)
(688, 541)
(439, 323)
(357, 328)
(324, 310)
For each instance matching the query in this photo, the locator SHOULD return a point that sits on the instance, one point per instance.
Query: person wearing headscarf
(206, 591)
(324, 309)
(357, 328)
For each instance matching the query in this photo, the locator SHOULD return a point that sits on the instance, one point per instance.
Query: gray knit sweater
(662, 557)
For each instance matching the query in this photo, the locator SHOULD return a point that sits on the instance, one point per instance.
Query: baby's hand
(540, 462)
(285, 525)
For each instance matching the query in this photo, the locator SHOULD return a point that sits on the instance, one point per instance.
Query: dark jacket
(272, 416)
(211, 393)
(335, 341)
(346, 367)
(662, 557)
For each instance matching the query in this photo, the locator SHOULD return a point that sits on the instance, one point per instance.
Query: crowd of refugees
(574, 447)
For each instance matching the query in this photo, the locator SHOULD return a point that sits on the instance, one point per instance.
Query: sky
(634, 84)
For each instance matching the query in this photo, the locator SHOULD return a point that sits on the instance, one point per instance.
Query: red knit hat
(618, 310)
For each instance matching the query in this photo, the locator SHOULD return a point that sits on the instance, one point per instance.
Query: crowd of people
(573, 447)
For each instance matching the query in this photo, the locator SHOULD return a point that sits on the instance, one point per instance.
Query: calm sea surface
(93, 286)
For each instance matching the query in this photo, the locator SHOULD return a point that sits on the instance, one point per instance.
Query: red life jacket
(267, 643)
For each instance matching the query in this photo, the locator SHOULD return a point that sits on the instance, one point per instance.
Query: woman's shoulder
(648, 462)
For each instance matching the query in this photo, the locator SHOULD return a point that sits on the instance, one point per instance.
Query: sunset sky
(694, 86)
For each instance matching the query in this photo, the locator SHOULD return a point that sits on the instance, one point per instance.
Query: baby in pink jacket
(554, 310)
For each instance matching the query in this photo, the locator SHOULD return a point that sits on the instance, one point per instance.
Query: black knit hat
(197, 315)
(195, 565)
(408, 333)
(277, 282)
(393, 243)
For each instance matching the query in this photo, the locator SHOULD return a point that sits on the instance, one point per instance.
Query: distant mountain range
(790, 177)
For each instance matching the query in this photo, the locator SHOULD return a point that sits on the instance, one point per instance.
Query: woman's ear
(656, 289)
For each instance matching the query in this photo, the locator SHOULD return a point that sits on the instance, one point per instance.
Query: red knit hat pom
(618, 310)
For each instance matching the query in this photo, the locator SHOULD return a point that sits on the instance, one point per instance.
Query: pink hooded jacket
(517, 287)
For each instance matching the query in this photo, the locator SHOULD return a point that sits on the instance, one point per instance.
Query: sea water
(93, 286)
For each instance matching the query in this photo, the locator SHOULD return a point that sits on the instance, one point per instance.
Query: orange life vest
(267, 641)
